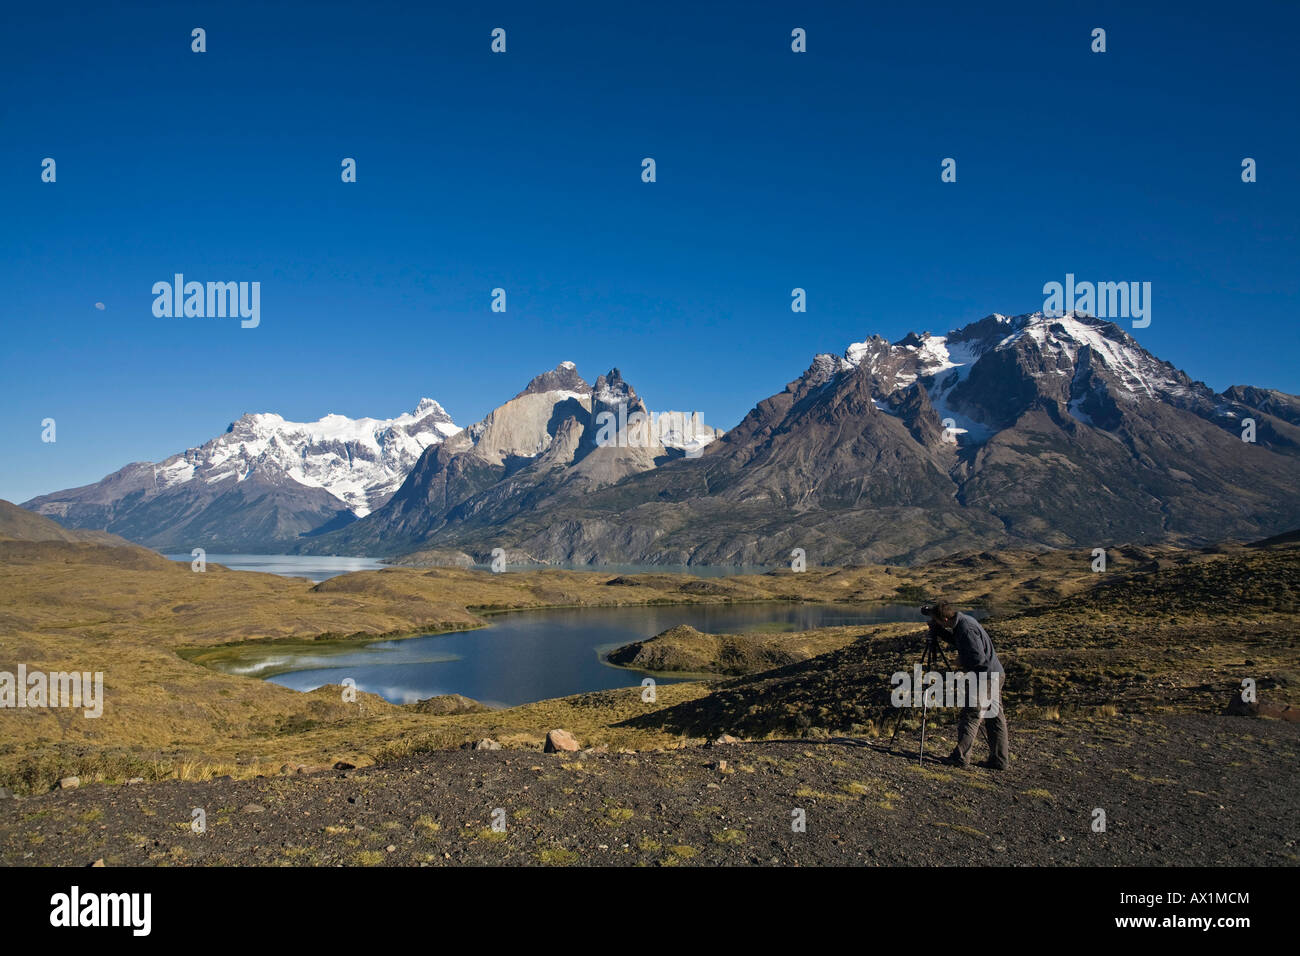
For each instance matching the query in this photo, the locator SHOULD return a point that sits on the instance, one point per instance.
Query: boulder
(445, 704)
(69, 783)
(487, 743)
(1240, 708)
(558, 740)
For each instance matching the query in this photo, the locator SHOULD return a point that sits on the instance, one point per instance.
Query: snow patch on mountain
(1136, 369)
(932, 355)
(941, 363)
(360, 461)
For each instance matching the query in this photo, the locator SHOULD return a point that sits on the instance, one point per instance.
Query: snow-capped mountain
(1065, 351)
(267, 484)
(361, 461)
(264, 480)
(1033, 430)
(542, 446)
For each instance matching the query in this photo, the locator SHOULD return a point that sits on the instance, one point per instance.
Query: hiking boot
(952, 760)
(990, 765)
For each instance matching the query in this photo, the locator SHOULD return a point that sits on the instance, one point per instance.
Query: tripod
(932, 653)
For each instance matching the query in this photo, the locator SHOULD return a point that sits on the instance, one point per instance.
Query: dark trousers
(995, 731)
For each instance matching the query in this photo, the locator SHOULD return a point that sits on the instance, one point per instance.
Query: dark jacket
(974, 648)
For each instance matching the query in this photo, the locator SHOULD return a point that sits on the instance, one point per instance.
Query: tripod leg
(927, 661)
(898, 721)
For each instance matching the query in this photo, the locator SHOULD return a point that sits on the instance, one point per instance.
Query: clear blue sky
(522, 170)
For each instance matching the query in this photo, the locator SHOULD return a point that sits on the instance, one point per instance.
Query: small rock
(69, 783)
(6, 793)
(721, 765)
(135, 780)
(487, 743)
(391, 848)
(558, 740)
(725, 739)
(99, 862)
(252, 808)
(711, 786)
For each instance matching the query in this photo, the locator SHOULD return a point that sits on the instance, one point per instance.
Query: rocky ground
(1175, 789)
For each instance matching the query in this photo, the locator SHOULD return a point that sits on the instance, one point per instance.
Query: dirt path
(1176, 791)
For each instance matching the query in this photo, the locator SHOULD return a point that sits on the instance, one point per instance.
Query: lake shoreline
(555, 651)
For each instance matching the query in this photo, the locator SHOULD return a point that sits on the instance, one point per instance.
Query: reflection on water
(315, 567)
(695, 570)
(322, 567)
(536, 655)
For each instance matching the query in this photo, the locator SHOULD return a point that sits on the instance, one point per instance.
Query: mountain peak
(611, 388)
(1033, 354)
(428, 406)
(563, 378)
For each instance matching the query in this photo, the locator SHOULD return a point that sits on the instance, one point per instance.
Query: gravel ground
(1184, 790)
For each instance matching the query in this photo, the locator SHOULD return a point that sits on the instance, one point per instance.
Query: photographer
(975, 654)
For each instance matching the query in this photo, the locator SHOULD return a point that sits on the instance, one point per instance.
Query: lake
(315, 567)
(323, 567)
(526, 656)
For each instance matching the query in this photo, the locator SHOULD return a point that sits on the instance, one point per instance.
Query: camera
(929, 610)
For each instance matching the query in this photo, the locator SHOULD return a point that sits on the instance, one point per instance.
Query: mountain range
(1033, 430)
(260, 486)
(267, 485)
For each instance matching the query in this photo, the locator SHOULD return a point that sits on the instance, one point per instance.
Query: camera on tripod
(930, 656)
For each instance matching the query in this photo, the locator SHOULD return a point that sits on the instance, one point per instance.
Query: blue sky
(522, 170)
